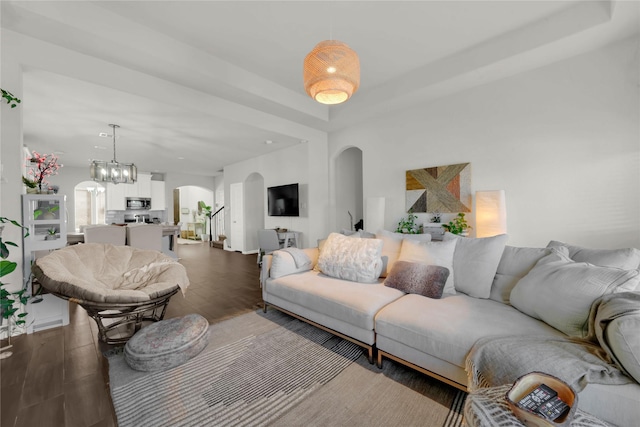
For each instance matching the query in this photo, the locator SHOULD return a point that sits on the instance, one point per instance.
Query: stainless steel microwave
(138, 203)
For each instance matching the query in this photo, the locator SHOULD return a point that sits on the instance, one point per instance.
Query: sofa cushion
(627, 259)
(514, 264)
(431, 253)
(351, 302)
(351, 258)
(475, 263)
(447, 328)
(417, 278)
(283, 263)
(391, 244)
(560, 291)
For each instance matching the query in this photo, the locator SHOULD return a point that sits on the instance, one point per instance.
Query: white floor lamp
(491, 213)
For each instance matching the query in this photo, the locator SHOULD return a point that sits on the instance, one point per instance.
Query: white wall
(282, 167)
(348, 192)
(562, 140)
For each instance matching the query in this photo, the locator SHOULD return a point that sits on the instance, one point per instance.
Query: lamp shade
(331, 72)
(491, 213)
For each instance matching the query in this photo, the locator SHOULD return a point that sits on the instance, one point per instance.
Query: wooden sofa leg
(379, 360)
(370, 355)
(264, 307)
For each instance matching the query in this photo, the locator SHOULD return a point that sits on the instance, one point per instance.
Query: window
(90, 202)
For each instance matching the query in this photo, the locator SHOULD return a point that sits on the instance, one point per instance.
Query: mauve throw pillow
(417, 278)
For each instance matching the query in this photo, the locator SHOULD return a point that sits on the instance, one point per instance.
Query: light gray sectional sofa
(492, 289)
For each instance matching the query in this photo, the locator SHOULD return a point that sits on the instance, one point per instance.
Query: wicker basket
(527, 383)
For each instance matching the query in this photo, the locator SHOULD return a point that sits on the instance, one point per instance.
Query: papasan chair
(119, 286)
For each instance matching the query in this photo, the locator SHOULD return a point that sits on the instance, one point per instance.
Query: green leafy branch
(10, 98)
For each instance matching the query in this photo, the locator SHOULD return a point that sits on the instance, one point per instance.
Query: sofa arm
(264, 269)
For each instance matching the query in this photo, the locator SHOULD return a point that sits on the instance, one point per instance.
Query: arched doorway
(193, 224)
(349, 192)
(89, 204)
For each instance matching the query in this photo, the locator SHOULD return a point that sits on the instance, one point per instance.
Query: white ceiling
(239, 67)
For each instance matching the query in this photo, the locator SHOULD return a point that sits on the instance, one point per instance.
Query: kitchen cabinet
(116, 196)
(117, 193)
(144, 185)
(158, 201)
(45, 217)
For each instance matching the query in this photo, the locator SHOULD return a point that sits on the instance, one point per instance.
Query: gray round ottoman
(167, 343)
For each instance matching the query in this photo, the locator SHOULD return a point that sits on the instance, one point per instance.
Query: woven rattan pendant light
(331, 72)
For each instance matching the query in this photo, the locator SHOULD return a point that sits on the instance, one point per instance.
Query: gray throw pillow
(475, 263)
(418, 278)
(514, 265)
(627, 258)
(560, 291)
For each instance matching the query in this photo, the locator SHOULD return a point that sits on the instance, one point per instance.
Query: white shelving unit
(45, 217)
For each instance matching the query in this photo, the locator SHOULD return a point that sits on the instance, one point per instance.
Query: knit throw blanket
(499, 360)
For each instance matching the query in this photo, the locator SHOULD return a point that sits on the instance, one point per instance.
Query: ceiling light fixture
(331, 72)
(117, 173)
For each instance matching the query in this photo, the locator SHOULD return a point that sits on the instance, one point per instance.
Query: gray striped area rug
(256, 368)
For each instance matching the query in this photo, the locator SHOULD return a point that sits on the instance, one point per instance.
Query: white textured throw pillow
(352, 259)
(431, 253)
(560, 291)
(475, 263)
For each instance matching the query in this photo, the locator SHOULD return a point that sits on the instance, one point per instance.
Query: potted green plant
(51, 234)
(49, 214)
(9, 300)
(458, 225)
(207, 212)
(408, 225)
(32, 186)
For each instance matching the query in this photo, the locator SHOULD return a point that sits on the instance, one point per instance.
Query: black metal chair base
(118, 322)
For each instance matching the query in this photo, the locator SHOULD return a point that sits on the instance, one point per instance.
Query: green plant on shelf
(458, 225)
(408, 226)
(29, 182)
(52, 210)
(52, 231)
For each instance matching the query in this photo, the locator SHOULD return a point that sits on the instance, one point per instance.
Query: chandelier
(331, 72)
(117, 173)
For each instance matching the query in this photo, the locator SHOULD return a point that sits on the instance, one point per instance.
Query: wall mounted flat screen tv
(283, 200)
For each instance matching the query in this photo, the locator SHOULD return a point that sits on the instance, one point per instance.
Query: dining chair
(114, 234)
(268, 242)
(145, 236)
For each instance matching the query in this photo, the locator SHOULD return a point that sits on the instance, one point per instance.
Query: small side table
(487, 407)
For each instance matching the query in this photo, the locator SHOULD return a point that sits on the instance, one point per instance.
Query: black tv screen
(283, 200)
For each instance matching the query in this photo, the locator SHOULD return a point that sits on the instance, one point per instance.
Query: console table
(289, 236)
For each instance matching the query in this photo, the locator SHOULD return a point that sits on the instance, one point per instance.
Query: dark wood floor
(58, 377)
